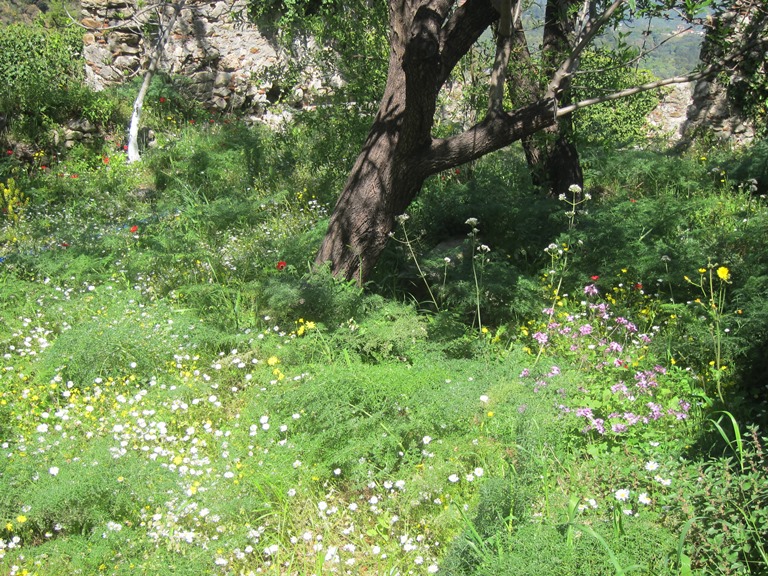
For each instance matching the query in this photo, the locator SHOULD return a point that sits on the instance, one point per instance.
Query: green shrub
(43, 82)
(729, 498)
(618, 123)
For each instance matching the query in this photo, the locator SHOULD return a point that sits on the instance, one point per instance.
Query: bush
(618, 123)
(42, 73)
(729, 498)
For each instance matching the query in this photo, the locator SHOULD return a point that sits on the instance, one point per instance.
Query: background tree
(427, 40)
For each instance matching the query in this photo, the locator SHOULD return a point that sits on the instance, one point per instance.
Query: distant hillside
(678, 48)
(677, 52)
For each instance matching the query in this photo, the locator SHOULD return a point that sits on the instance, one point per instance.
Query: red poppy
(64, 245)
(162, 99)
(632, 200)
(9, 152)
(134, 229)
(73, 175)
(595, 277)
(125, 147)
(105, 159)
(282, 264)
(639, 286)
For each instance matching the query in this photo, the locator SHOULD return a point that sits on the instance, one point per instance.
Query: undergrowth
(529, 385)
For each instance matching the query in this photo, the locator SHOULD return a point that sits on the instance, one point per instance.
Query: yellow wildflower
(723, 273)
(273, 361)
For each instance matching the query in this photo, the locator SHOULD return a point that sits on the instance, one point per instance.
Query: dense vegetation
(529, 385)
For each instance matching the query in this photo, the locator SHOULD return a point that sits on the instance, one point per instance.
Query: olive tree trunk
(400, 152)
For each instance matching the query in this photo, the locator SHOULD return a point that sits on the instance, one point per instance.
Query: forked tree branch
(592, 29)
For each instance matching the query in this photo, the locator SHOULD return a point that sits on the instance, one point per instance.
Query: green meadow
(527, 385)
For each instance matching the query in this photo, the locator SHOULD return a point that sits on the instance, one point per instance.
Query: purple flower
(656, 412)
(585, 329)
(618, 428)
(591, 290)
(615, 347)
(597, 423)
(541, 338)
(631, 418)
(620, 387)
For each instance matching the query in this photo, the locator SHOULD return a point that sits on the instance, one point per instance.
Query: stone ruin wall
(222, 57)
(713, 108)
(225, 60)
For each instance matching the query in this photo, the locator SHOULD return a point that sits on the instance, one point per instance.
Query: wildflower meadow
(527, 385)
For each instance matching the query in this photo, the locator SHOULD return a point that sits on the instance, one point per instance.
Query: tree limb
(592, 28)
(133, 130)
(497, 130)
(462, 29)
(501, 61)
(710, 71)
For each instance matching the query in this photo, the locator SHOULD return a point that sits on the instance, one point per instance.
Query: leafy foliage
(42, 73)
(617, 123)
(353, 35)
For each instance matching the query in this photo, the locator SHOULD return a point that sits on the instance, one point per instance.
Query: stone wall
(221, 56)
(716, 107)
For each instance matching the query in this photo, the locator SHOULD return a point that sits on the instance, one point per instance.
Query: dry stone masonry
(225, 62)
(717, 106)
(223, 58)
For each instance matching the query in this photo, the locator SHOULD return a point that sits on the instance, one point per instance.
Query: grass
(178, 393)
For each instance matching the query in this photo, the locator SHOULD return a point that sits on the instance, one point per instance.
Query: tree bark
(552, 157)
(400, 153)
(428, 38)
